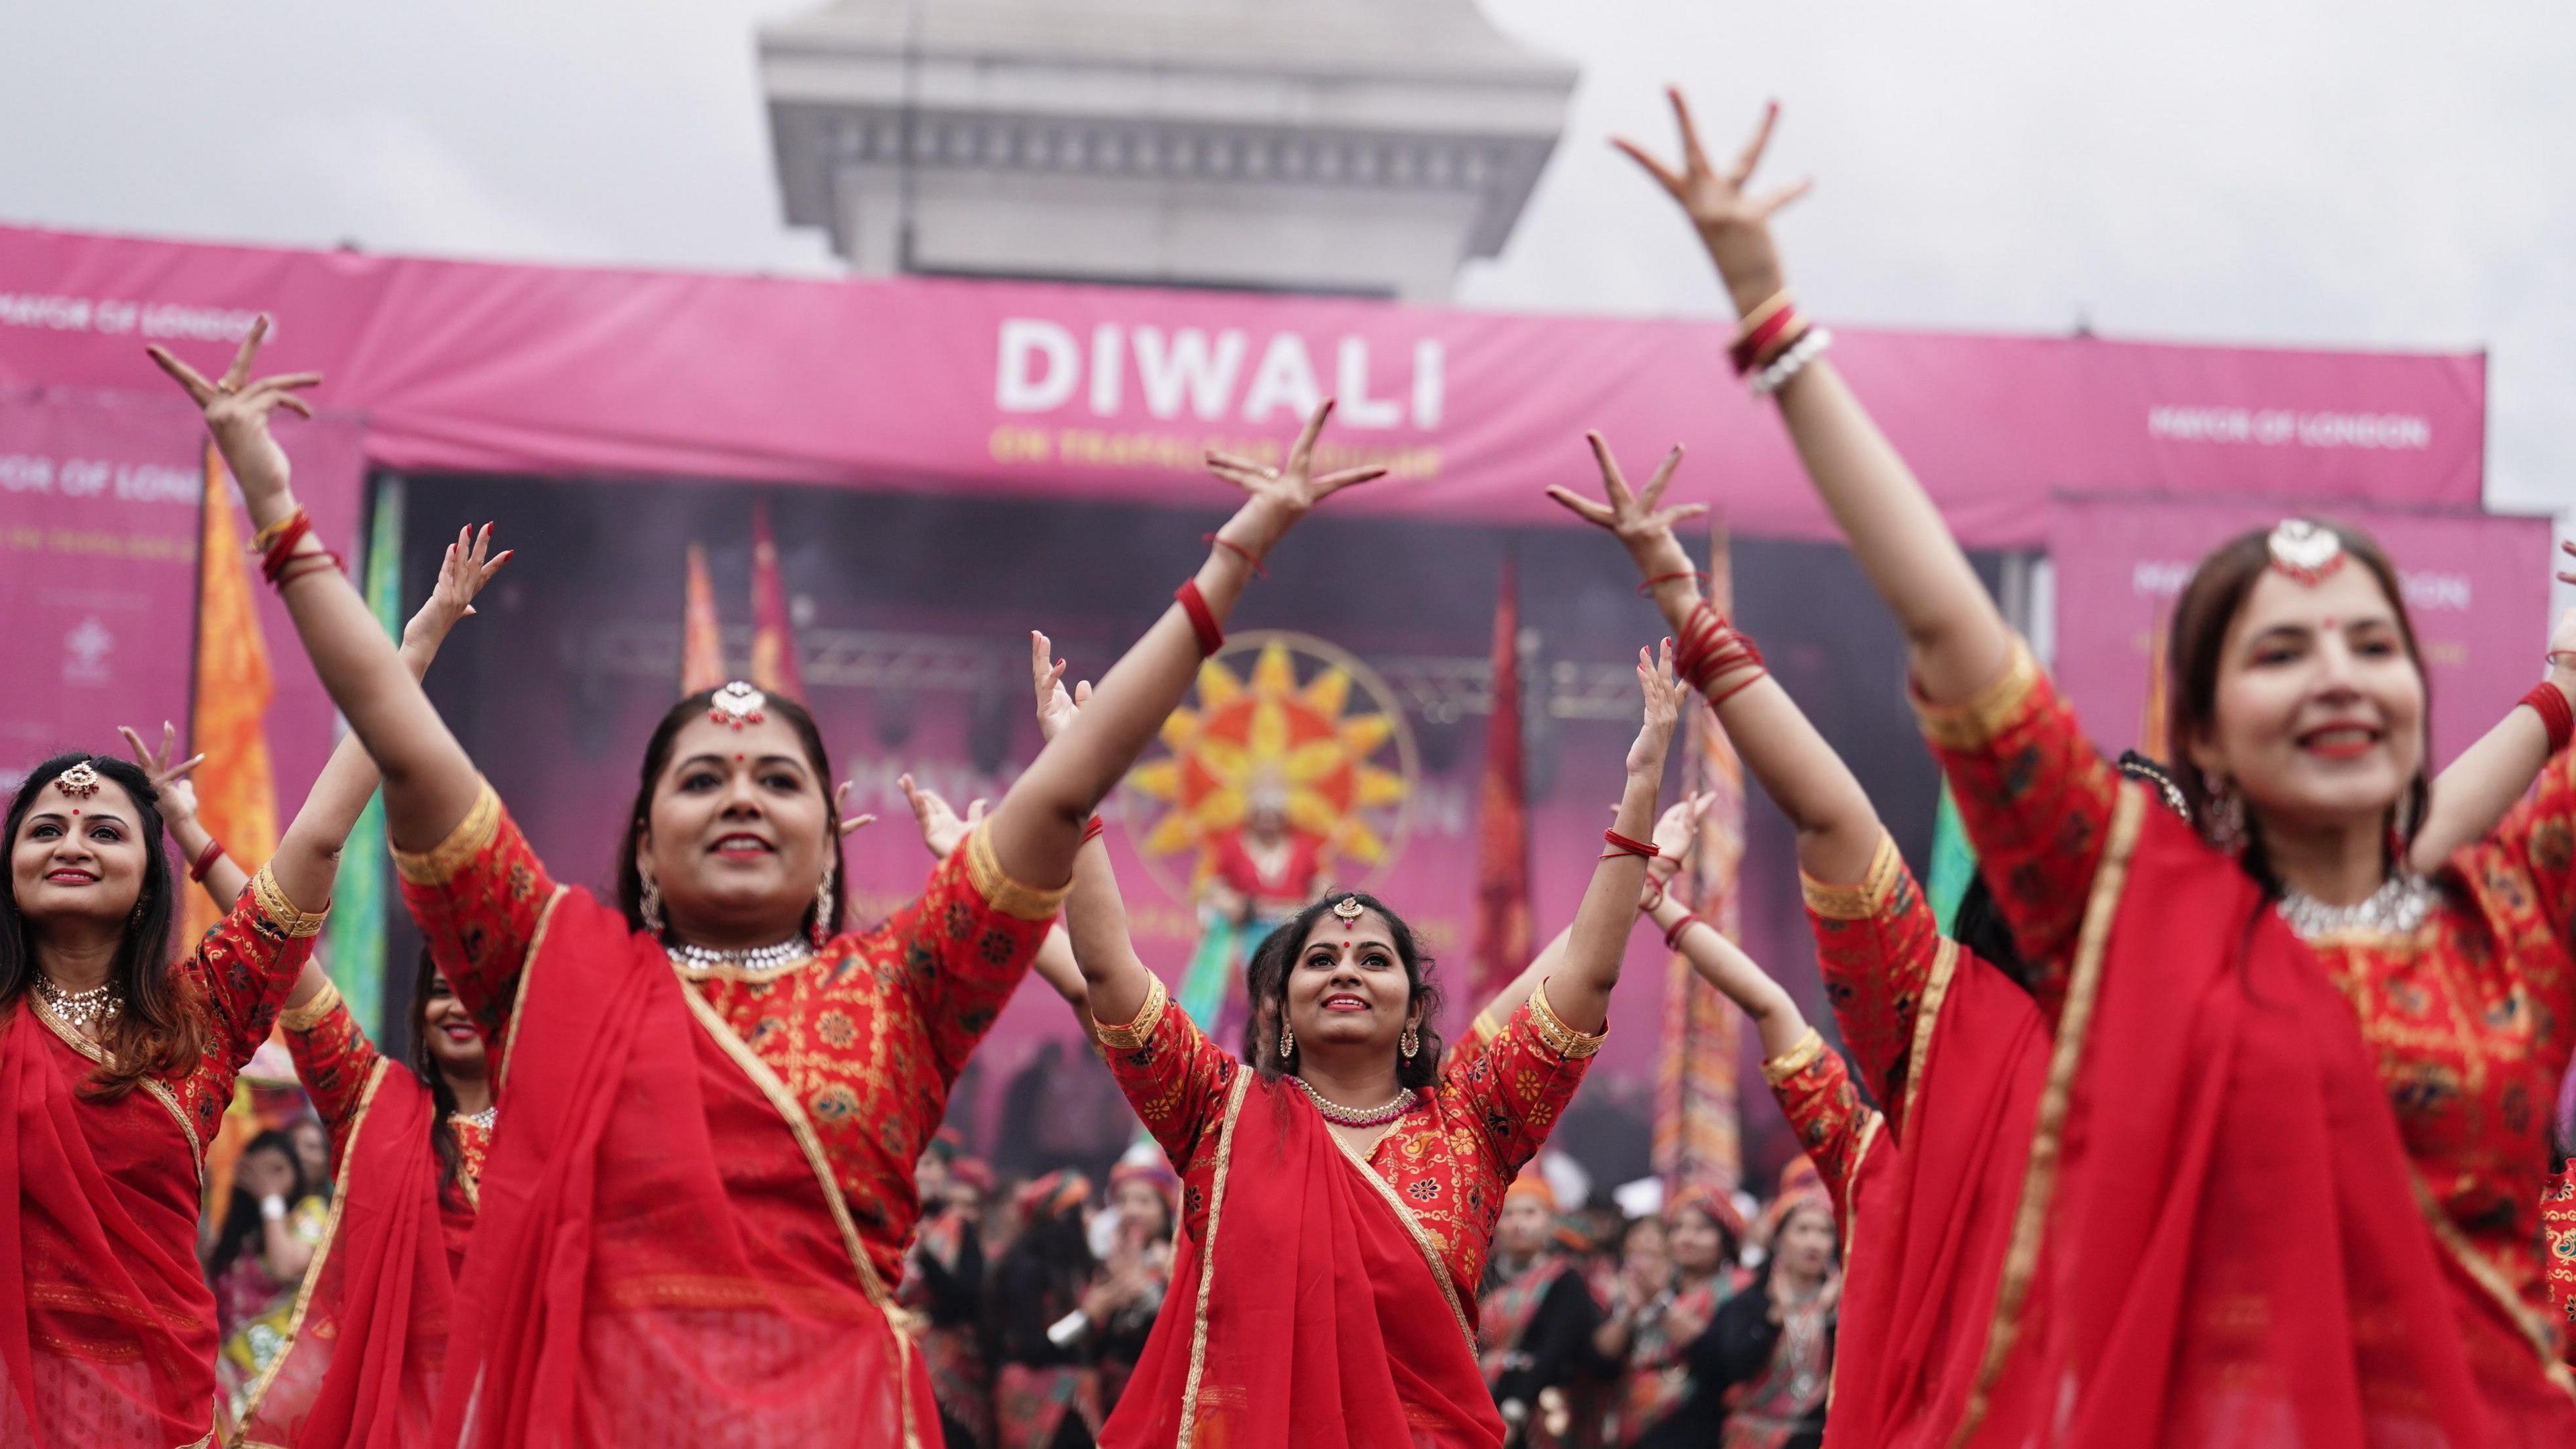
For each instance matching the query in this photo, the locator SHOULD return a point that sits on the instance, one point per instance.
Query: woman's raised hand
(1056, 707)
(1642, 526)
(468, 565)
(849, 824)
(237, 410)
(1664, 696)
(169, 773)
(1281, 496)
(1677, 835)
(941, 826)
(1733, 223)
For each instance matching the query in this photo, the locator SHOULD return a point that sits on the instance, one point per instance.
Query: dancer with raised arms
(716, 1095)
(2285, 1168)
(1340, 1187)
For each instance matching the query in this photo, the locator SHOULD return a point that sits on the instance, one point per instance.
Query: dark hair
(160, 1026)
(657, 757)
(1978, 925)
(241, 1215)
(1729, 1238)
(442, 1097)
(1266, 984)
(2197, 642)
(1049, 1261)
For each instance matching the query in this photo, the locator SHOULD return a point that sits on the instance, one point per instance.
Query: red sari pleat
(370, 1328)
(107, 1328)
(1311, 1317)
(655, 1260)
(2235, 1251)
(1928, 1220)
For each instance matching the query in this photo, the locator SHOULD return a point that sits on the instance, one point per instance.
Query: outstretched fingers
(1753, 149)
(1613, 482)
(1694, 156)
(1774, 200)
(1589, 510)
(1332, 483)
(199, 390)
(1302, 456)
(1662, 479)
(239, 372)
(1664, 175)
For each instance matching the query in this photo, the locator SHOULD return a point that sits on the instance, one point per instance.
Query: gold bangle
(1761, 313)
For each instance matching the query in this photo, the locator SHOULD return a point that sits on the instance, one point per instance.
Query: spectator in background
(1142, 1207)
(1046, 1319)
(1770, 1354)
(312, 1143)
(943, 1283)
(1656, 1318)
(1537, 1316)
(259, 1257)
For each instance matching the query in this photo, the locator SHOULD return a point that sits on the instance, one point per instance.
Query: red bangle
(1656, 886)
(1091, 829)
(205, 860)
(1202, 622)
(282, 547)
(321, 561)
(1712, 648)
(1673, 936)
(1648, 586)
(1231, 546)
(1750, 680)
(1747, 351)
(1622, 845)
(2555, 714)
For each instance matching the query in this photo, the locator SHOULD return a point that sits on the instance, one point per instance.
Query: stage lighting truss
(1435, 689)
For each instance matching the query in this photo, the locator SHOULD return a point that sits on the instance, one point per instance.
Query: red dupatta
(1927, 1221)
(2235, 1250)
(369, 1328)
(1308, 1312)
(661, 1256)
(107, 1328)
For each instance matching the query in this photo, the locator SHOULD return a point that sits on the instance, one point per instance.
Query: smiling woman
(115, 1068)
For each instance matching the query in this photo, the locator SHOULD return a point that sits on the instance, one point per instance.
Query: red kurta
(1394, 1328)
(710, 1176)
(111, 1344)
(2466, 1021)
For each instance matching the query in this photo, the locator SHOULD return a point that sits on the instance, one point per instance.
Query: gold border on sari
(984, 870)
(1801, 1055)
(1927, 1019)
(270, 900)
(474, 834)
(1864, 901)
(159, 1089)
(2530, 1324)
(1139, 1029)
(312, 1013)
(1983, 715)
(519, 995)
(1207, 1258)
(321, 1255)
(2039, 1177)
(801, 1127)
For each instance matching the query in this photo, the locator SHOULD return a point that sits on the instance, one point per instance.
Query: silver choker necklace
(483, 1119)
(750, 961)
(1334, 1112)
(2394, 909)
(80, 1010)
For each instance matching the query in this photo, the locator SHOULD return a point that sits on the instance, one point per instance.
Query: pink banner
(1112, 393)
(2478, 589)
(99, 513)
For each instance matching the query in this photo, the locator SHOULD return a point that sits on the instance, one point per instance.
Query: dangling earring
(823, 922)
(1287, 1041)
(2223, 824)
(1412, 1042)
(650, 906)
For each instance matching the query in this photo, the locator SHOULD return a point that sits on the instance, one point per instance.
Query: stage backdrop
(99, 514)
(1112, 393)
(2478, 588)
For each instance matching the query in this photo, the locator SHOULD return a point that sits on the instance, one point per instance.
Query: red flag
(702, 663)
(1502, 813)
(773, 633)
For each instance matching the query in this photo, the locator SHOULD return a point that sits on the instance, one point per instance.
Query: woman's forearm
(1738, 977)
(2473, 794)
(1580, 994)
(308, 854)
(1095, 919)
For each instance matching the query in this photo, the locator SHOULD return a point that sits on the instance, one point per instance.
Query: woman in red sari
(2285, 1171)
(115, 1068)
(716, 1093)
(1339, 1189)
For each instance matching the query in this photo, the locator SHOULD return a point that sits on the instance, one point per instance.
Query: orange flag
(236, 792)
(702, 663)
(1502, 812)
(773, 629)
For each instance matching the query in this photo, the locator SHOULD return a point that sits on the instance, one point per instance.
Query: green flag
(1954, 862)
(356, 932)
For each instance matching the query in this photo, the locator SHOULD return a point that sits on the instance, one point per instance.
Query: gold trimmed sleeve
(312, 1013)
(439, 864)
(1974, 721)
(1006, 895)
(1800, 1056)
(1863, 901)
(1135, 1033)
(1484, 1028)
(1560, 1038)
(272, 903)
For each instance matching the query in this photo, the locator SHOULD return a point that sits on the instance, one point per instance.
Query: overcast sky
(2362, 173)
